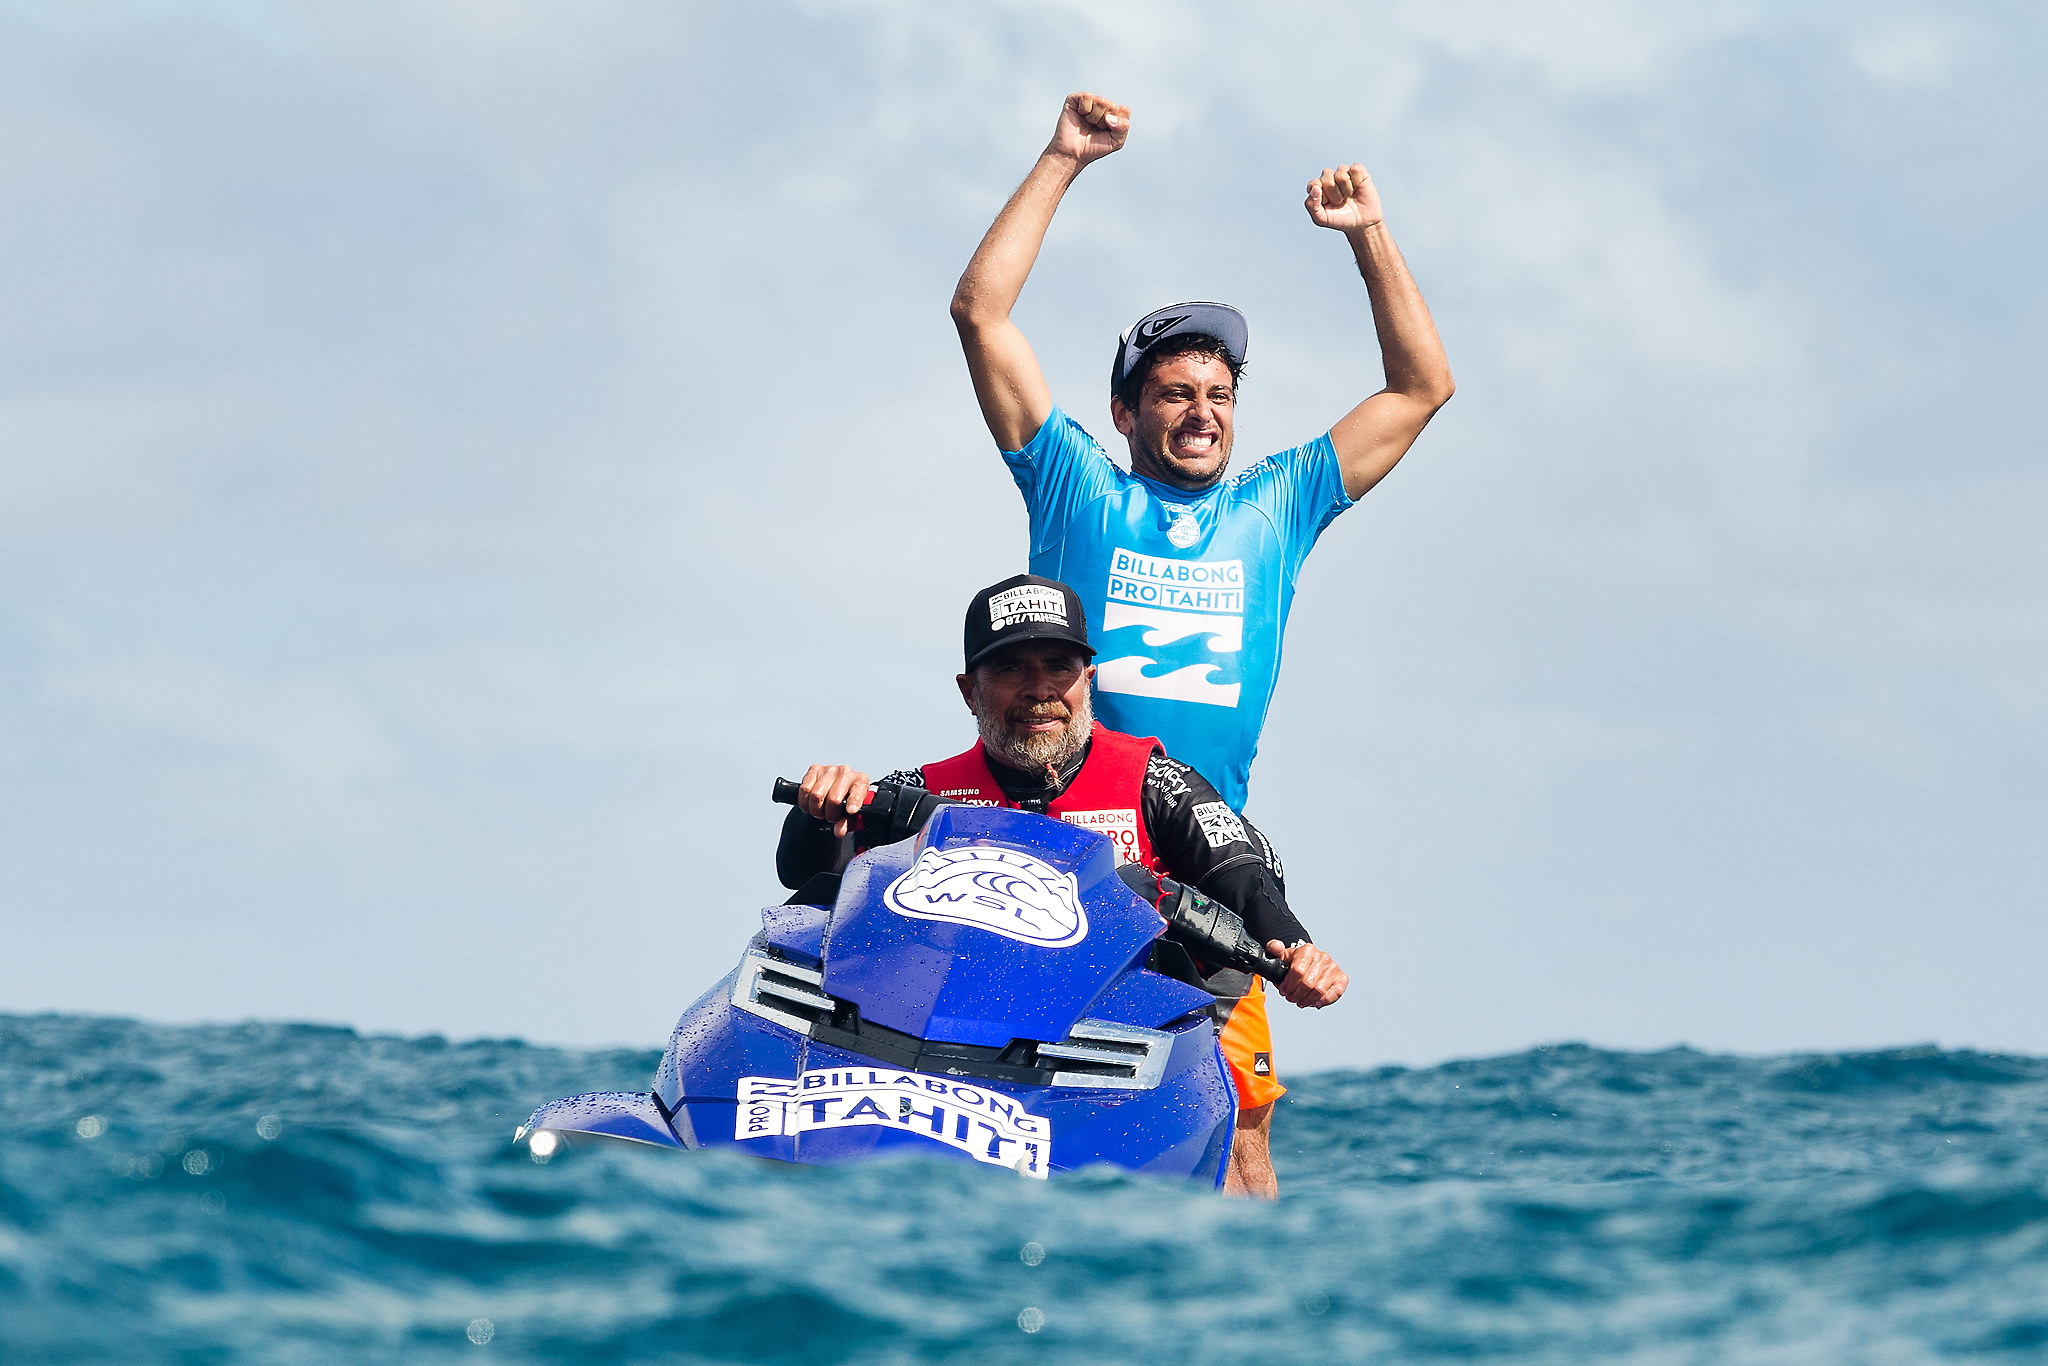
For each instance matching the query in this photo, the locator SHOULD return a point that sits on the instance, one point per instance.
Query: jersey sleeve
(807, 848)
(1060, 471)
(1303, 492)
(1206, 845)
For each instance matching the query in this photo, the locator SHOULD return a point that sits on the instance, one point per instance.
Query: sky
(454, 454)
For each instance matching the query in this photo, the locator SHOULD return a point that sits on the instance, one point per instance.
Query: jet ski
(985, 985)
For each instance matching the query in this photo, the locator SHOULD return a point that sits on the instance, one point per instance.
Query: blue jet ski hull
(977, 995)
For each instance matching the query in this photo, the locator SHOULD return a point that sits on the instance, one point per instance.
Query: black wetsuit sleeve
(1205, 844)
(809, 847)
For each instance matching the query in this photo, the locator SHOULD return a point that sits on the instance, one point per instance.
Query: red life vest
(1106, 796)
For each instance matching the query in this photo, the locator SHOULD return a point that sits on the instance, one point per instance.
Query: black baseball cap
(1220, 321)
(1025, 608)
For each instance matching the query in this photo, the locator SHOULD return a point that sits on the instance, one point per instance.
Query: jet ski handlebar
(1213, 932)
(1207, 928)
(893, 811)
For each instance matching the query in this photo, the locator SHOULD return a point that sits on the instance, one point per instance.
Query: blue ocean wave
(295, 1193)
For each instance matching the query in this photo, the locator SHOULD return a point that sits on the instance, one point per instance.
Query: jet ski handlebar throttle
(893, 811)
(1214, 932)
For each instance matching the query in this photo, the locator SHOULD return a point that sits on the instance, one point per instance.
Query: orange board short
(1248, 1047)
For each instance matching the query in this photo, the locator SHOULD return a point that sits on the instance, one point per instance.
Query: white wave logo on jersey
(1192, 683)
(999, 890)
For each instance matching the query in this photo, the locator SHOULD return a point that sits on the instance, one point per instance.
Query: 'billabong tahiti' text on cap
(1033, 602)
(1024, 607)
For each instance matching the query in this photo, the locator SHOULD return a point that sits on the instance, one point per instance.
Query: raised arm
(1014, 398)
(1372, 438)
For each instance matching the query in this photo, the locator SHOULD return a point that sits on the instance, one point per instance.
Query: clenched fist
(1090, 127)
(1343, 199)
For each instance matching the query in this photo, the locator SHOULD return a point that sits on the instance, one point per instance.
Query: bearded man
(1195, 574)
(1027, 684)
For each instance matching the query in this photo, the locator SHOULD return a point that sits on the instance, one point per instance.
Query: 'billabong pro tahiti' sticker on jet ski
(999, 890)
(986, 1126)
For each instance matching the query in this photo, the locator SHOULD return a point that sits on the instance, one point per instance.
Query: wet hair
(1132, 388)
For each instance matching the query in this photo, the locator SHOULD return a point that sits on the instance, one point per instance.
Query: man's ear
(1089, 673)
(966, 682)
(1125, 421)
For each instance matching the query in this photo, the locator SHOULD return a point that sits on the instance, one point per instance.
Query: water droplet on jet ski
(92, 1126)
(1031, 1320)
(1316, 1303)
(170, 1143)
(197, 1162)
(269, 1127)
(213, 1202)
(481, 1331)
(1031, 1254)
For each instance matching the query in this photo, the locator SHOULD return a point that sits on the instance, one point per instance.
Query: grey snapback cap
(1220, 321)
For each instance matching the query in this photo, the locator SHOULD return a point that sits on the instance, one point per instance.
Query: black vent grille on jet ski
(1100, 1054)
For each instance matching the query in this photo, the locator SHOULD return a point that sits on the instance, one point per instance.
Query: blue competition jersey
(1187, 593)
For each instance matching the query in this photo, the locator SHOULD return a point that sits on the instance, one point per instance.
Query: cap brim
(1019, 635)
(1220, 321)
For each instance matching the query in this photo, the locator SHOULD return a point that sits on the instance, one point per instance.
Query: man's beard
(1046, 750)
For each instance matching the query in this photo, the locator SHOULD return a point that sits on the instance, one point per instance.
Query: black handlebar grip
(890, 813)
(1214, 932)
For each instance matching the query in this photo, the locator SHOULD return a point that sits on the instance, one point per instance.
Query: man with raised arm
(1188, 576)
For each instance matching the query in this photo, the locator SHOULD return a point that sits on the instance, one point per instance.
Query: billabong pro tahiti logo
(1186, 610)
(983, 1123)
(1119, 827)
(1032, 602)
(999, 890)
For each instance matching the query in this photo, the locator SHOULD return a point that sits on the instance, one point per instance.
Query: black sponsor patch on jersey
(1162, 775)
(1262, 1064)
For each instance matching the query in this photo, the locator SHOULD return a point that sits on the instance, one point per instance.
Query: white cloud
(1580, 48)
(1911, 58)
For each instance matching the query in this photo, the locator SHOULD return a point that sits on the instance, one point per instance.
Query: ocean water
(293, 1193)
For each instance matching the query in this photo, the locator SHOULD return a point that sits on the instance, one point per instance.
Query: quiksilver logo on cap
(1032, 602)
(1153, 330)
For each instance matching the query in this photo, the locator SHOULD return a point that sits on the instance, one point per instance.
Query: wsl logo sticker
(998, 890)
(1185, 530)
